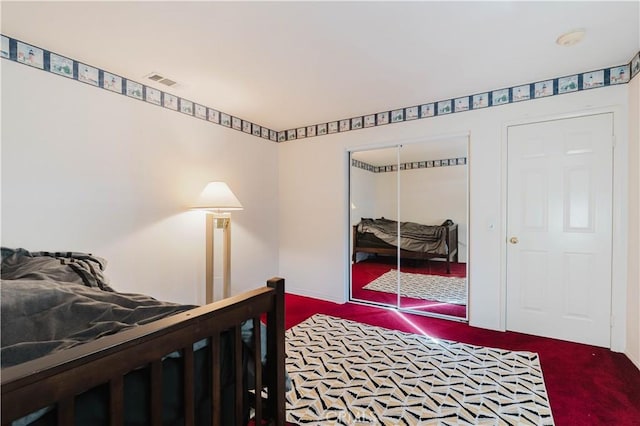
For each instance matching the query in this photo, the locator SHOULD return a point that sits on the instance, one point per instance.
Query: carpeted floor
(586, 385)
(346, 372)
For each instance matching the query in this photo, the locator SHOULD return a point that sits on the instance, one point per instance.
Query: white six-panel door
(559, 224)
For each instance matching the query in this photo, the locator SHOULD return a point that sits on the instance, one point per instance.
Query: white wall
(313, 193)
(633, 289)
(363, 194)
(362, 200)
(84, 169)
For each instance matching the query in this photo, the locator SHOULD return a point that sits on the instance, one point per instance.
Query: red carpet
(587, 385)
(368, 270)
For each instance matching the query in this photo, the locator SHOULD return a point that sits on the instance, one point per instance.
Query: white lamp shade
(217, 196)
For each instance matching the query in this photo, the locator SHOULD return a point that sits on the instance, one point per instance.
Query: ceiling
(289, 64)
(433, 149)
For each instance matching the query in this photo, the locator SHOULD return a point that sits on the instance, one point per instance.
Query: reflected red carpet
(586, 385)
(368, 270)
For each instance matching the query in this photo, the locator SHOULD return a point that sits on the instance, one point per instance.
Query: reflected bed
(417, 241)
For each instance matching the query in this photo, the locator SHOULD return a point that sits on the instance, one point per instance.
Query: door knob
(513, 240)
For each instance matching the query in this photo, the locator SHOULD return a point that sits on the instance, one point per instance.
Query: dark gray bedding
(53, 301)
(413, 236)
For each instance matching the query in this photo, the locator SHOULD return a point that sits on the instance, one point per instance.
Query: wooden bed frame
(56, 378)
(450, 256)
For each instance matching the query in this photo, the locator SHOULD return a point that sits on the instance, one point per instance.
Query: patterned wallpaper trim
(27, 54)
(620, 74)
(458, 161)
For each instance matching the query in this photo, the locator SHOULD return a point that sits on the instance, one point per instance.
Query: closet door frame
(398, 144)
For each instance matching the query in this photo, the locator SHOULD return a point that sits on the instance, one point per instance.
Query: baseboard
(634, 360)
(315, 295)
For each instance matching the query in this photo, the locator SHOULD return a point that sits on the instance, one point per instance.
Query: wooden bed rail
(57, 378)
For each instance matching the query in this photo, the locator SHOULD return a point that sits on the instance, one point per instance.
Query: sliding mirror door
(409, 215)
(433, 198)
(373, 188)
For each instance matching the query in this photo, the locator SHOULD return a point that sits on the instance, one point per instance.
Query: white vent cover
(161, 79)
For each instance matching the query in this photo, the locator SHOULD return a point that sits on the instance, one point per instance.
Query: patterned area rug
(420, 286)
(347, 373)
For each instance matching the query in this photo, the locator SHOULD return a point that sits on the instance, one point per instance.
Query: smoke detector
(570, 38)
(159, 78)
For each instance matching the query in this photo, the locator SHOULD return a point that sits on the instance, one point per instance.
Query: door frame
(619, 216)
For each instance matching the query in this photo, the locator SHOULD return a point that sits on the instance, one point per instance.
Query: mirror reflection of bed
(409, 215)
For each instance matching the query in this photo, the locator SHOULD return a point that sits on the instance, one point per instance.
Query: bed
(75, 351)
(417, 241)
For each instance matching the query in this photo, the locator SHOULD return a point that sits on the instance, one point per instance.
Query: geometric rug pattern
(420, 286)
(348, 373)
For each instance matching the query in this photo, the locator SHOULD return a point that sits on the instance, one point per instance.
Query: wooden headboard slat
(188, 385)
(257, 362)
(116, 401)
(276, 345)
(238, 369)
(156, 393)
(66, 408)
(216, 383)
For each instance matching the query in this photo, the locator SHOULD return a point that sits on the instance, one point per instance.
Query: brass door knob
(513, 240)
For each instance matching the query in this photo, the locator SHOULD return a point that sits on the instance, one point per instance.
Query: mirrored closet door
(373, 199)
(409, 216)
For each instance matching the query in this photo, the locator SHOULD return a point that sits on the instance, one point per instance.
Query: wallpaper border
(619, 74)
(49, 61)
(445, 162)
(31, 55)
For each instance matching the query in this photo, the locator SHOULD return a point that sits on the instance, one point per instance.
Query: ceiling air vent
(161, 79)
(167, 82)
